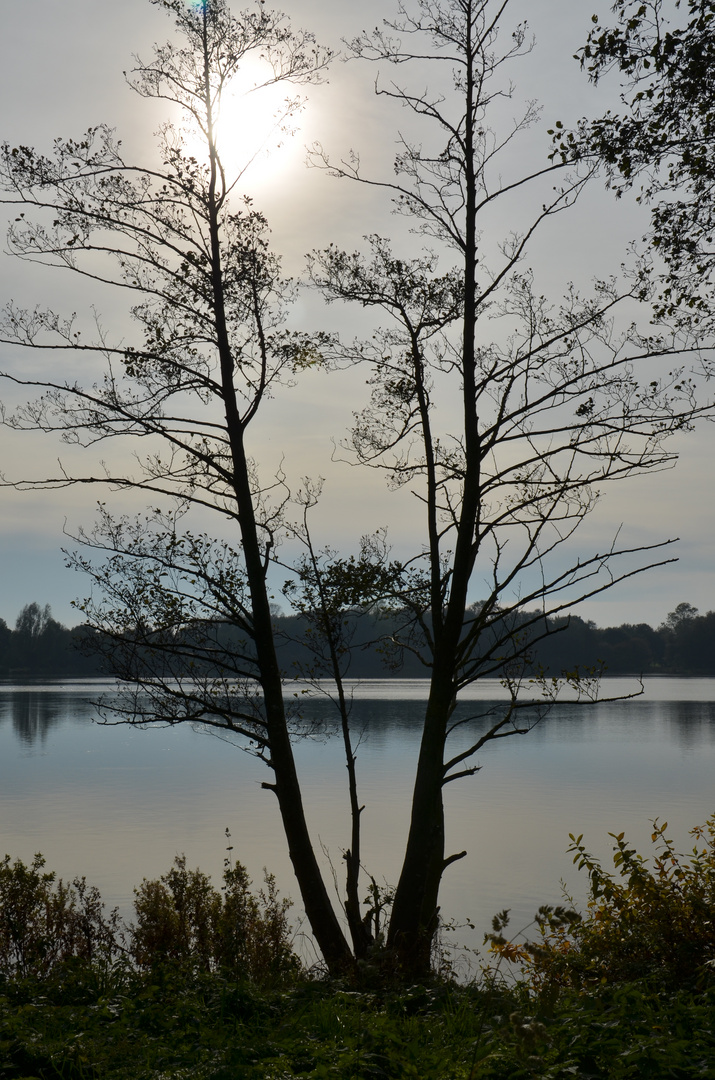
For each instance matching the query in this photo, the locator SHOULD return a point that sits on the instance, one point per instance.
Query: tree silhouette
(503, 413)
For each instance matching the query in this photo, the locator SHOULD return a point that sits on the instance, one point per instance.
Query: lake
(117, 804)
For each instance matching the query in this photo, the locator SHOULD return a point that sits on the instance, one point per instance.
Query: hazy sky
(61, 64)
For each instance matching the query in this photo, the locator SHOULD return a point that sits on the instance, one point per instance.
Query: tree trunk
(319, 910)
(415, 912)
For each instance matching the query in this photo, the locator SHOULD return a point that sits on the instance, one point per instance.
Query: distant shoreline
(39, 648)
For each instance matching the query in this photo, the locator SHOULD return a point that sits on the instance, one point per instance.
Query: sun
(254, 128)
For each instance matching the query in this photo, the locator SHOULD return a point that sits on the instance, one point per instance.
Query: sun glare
(255, 128)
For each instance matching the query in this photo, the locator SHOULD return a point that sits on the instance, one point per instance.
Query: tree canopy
(661, 142)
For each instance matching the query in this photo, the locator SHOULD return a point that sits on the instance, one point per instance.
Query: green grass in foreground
(120, 1025)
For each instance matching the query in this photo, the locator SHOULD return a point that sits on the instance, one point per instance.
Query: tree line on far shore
(684, 644)
(40, 646)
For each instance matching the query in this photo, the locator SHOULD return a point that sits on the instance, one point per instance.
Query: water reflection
(692, 723)
(34, 711)
(686, 723)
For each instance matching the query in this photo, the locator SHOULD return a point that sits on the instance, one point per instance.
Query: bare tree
(549, 409)
(503, 413)
(209, 303)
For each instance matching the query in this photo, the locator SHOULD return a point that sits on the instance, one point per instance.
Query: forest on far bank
(684, 644)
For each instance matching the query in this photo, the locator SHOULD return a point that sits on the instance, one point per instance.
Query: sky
(61, 70)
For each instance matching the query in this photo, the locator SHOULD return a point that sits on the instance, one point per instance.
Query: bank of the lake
(118, 804)
(206, 986)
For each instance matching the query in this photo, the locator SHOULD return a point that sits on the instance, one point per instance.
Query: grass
(173, 1023)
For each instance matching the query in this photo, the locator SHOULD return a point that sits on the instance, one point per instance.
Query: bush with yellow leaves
(654, 922)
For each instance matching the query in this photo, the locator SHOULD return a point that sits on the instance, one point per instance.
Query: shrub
(254, 932)
(181, 917)
(643, 922)
(176, 918)
(45, 922)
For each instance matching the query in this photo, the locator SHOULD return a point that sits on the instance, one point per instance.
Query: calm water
(117, 804)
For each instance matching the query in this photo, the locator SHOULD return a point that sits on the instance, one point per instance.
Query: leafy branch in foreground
(659, 142)
(643, 923)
